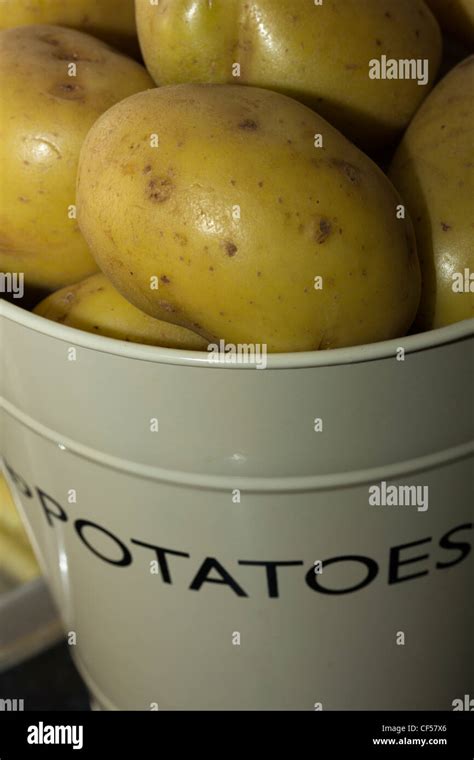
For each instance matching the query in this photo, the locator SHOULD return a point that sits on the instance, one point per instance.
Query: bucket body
(226, 537)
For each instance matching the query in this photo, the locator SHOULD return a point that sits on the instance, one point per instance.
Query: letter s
(462, 547)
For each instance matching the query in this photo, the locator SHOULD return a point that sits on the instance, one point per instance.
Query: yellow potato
(95, 306)
(456, 17)
(110, 20)
(45, 115)
(319, 54)
(220, 193)
(16, 555)
(10, 521)
(434, 172)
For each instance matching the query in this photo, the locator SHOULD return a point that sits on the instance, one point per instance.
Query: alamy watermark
(238, 353)
(463, 282)
(12, 282)
(12, 705)
(41, 733)
(383, 495)
(403, 68)
(465, 703)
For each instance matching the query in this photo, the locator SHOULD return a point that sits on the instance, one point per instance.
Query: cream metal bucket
(208, 531)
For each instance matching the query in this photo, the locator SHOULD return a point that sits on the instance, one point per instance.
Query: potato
(110, 20)
(17, 560)
(45, 116)
(456, 17)
(10, 521)
(434, 171)
(220, 193)
(319, 54)
(95, 306)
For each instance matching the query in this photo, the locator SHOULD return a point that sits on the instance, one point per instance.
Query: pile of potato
(224, 190)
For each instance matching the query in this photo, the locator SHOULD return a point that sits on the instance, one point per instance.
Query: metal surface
(236, 475)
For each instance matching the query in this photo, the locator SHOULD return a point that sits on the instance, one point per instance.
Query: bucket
(218, 536)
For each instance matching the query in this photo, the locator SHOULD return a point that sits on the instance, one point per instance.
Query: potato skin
(456, 17)
(433, 169)
(111, 20)
(45, 116)
(317, 54)
(94, 305)
(172, 212)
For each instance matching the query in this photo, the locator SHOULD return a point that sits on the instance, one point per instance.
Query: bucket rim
(454, 333)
